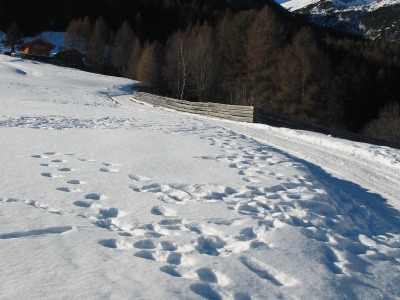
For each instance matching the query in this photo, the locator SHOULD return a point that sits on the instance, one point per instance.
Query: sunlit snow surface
(368, 5)
(105, 198)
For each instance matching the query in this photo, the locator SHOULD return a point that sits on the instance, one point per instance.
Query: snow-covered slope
(294, 5)
(104, 198)
(369, 18)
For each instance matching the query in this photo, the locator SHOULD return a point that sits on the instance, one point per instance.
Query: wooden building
(71, 57)
(38, 46)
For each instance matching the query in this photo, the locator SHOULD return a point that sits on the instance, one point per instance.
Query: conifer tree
(266, 37)
(303, 79)
(13, 37)
(232, 40)
(148, 70)
(71, 38)
(96, 48)
(123, 42)
(84, 33)
(134, 59)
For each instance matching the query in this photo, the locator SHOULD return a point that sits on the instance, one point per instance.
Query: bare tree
(191, 62)
(203, 61)
(387, 125)
(77, 34)
(176, 69)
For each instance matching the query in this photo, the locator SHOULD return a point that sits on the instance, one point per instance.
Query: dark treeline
(152, 19)
(229, 53)
(255, 57)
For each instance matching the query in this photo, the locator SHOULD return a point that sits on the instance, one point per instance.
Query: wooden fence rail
(251, 114)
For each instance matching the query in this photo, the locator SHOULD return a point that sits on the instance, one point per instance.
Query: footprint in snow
(115, 244)
(144, 244)
(205, 291)
(45, 155)
(76, 182)
(110, 167)
(68, 190)
(58, 161)
(51, 175)
(170, 270)
(84, 204)
(95, 196)
(88, 160)
(161, 210)
(168, 246)
(138, 177)
(333, 261)
(109, 243)
(145, 255)
(107, 169)
(207, 275)
(50, 153)
(66, 170)
(108, 213)
(39, 156)
(49, 165)
(174, 258)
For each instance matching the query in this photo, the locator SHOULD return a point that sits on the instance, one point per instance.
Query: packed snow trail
(101, 197)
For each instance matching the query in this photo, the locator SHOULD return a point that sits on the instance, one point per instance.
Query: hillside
(236, 52)
(101, 197)
(371, 19)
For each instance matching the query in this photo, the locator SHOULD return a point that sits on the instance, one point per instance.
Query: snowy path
(101, 197)
(373, 167)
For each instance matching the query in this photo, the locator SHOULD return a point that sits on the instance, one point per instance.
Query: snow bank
(101, 197)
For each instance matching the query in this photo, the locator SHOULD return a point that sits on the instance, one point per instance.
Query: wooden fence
(251, 114)
(223, 111)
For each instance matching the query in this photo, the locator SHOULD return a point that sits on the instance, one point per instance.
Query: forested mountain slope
(238, 52)
(371, 19)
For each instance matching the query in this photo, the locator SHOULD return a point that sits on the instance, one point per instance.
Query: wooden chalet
(38, 46)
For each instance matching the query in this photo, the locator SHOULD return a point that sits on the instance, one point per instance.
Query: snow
(105, 198)
(368, 5)
(294, 5)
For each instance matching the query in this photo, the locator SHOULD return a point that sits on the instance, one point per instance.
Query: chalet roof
(39, 39)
